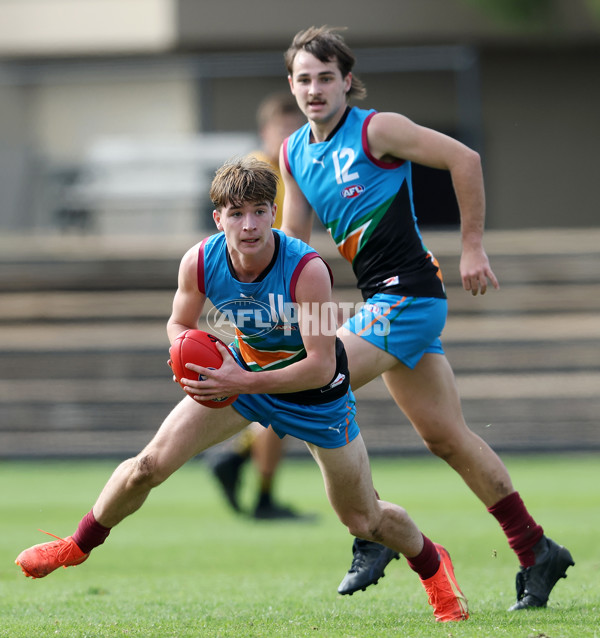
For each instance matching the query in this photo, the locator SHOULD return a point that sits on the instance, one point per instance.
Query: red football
(197, 346)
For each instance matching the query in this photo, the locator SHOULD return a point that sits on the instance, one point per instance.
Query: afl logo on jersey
(350, 192)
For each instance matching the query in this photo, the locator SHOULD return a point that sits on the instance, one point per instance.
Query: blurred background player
(277, 117)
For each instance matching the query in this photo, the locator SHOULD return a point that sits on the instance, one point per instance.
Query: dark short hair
(243, 179)
(326, 44)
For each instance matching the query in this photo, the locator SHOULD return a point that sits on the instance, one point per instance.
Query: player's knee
(444, 448)
(362, 526)
(439, 448)
(357, 528)
(445, 436)
(145, 471)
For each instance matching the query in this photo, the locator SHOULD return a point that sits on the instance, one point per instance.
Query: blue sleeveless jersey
(367, 207)
(263, 312)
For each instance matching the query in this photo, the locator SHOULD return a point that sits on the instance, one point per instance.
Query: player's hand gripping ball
(197, 346)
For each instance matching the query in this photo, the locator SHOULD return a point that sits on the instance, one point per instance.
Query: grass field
(185, 566)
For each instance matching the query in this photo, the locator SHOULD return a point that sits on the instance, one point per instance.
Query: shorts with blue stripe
(328, 425)
(405, 327)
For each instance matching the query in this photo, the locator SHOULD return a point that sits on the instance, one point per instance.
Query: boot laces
(64, 547)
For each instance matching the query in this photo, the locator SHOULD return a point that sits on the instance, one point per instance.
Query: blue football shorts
(406, 327)
(327, 425)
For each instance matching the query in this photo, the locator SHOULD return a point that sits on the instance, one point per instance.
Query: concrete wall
(72, 27)
(542, 127)
(531, 108)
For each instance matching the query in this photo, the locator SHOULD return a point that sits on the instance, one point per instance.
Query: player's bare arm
(313, 291)
(297, 216)
(188, 301)
(392, 135)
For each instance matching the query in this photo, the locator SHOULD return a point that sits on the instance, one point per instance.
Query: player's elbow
(324, 371)
(465, 167)
(320, 373)
(472, 159)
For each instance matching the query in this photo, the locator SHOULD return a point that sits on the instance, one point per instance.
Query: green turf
(185, 566)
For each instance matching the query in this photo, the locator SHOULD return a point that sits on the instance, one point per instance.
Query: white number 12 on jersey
(342, 174)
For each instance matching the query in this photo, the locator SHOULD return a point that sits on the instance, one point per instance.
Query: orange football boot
(444, 594)
(40, 560)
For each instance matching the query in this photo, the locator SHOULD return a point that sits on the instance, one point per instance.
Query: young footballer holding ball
(290, 373)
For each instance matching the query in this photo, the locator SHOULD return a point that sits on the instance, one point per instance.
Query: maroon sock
(90, 533)
(517, 523)
(427, 562)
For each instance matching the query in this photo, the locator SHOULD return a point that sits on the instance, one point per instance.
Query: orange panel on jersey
(264, 358)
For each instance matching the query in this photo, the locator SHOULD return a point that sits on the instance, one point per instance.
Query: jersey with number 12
(367, 206)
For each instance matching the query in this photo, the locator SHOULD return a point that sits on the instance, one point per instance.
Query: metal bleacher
(83, 347)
